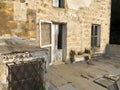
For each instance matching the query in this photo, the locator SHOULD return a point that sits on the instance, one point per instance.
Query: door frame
(64, 39)
(49, 45)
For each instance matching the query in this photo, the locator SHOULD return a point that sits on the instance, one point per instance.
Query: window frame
(40, 23)
(95, 28)
(59, 4)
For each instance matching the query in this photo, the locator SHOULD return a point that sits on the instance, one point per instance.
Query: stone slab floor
(80, 76)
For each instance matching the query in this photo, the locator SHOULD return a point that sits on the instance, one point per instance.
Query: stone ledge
(82, 57)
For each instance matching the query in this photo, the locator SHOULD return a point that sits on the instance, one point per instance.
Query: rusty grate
(26, 75)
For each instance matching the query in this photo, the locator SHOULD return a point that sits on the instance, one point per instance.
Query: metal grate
(26, 75)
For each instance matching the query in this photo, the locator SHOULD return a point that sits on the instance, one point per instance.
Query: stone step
(107, 83)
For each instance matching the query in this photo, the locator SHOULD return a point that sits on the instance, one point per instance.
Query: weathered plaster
(16, 18)
(21, 15)
(77, 4)
(6, 18)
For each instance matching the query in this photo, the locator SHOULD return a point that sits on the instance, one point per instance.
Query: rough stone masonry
(21, 18)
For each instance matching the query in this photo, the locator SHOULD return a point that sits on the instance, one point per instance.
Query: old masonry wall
(21, 18)
(79, 16)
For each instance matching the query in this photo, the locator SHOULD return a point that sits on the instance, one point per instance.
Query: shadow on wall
(113, 50)
(106, 51)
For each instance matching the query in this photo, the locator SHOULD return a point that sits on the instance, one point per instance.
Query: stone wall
(21, 18)
(17, 18)
(79, 21)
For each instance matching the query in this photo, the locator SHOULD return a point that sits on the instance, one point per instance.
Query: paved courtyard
(81, 76)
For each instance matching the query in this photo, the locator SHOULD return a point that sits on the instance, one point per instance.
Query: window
(59, 3)
(95, 36)
(45, 33)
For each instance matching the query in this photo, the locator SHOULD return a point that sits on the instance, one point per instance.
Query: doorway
(53, 37)
(59, 41)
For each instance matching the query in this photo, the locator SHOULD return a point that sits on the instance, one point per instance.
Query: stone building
(58, 25)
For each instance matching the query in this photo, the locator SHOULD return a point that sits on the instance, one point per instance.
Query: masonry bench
(82, 57)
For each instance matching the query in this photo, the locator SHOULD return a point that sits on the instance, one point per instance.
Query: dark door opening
(60, 38)
(115, 23)
(60, 32)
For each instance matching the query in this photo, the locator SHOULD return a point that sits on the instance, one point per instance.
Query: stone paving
(81, 76)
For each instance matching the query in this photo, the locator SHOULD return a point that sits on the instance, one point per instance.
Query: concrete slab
(112, 77)
(80, 76)
(107, 83)
(52, 87)
(57, 80)
(118, 84)
(104, 82)
(68, 87)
